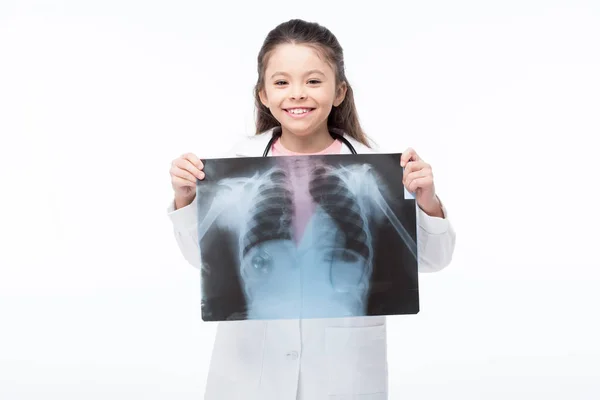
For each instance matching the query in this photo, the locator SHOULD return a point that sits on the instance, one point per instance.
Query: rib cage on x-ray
(332, 193)
(270, 216)
(260, 209)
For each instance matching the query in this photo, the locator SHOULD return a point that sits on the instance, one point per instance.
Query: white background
(97, 98)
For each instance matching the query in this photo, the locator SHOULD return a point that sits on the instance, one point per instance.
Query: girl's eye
(280, 83)
(314, 82)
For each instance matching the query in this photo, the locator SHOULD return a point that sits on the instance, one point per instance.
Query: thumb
(408, 155)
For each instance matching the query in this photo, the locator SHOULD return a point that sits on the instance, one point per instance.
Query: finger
(191, 157)
(410, 178)
(417, 183)
(184, 174)
(187, 165)
(408, 155)
(412, 166)
(182, 182)
(415, 166)
(191, 160)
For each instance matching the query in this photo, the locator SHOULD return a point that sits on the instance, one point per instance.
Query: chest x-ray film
(306, 237)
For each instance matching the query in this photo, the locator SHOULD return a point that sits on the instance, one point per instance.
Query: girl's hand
(418, 180)
(184, 171)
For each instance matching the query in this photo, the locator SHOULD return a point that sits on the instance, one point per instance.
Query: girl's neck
(312, 143)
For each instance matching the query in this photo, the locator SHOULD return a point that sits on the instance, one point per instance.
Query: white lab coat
(319, 359)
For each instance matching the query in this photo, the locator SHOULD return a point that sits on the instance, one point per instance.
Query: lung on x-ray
(304, 237)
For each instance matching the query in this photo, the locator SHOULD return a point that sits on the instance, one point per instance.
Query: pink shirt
(304, 204)
(279, 150)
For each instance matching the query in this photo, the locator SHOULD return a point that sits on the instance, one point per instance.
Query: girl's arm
(185, 227)
(435, 239)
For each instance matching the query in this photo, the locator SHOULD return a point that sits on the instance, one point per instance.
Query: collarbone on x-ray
(303, 234)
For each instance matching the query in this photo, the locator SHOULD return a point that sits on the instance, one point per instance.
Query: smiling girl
(305, 106)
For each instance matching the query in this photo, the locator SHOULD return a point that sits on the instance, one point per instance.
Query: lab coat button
(292, 355)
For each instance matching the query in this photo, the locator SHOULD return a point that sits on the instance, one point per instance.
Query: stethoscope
(277, 135)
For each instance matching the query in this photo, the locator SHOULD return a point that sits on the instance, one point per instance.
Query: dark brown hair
(296, 31)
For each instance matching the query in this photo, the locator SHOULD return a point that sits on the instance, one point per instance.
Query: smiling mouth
(298, 111)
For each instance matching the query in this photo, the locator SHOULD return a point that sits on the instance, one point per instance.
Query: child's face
(300, 89)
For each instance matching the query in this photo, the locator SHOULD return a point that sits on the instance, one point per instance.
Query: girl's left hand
(418, 180)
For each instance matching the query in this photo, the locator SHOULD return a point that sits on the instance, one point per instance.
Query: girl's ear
(263, 97)
(340, 94)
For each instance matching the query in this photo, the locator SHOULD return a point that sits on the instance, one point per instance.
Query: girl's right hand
(184, 171)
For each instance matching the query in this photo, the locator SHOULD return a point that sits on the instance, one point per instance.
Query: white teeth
(298, 111)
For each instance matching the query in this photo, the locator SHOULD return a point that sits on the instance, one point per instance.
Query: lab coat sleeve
(185, 223)
(185, 227)
(435, 241)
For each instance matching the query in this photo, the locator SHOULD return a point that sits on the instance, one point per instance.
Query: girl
(305, 105)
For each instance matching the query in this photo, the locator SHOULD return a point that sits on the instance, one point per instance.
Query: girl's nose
(298, 94)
